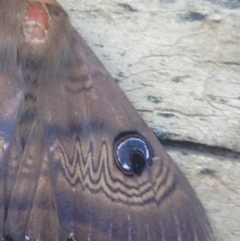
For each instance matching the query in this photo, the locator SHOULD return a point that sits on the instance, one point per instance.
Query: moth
(77, 162)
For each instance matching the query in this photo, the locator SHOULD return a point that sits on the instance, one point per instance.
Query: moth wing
(70, 184)
(32, 213)
(11, 97)
(85, 114)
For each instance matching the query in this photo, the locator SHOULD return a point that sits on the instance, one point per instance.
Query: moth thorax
(36, 23)
(36, 35)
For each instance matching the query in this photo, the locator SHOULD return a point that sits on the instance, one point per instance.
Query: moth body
(77, 162)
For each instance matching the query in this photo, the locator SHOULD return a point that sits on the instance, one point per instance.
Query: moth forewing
(89, 167)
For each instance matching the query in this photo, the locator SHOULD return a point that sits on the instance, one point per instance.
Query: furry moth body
(77, 162)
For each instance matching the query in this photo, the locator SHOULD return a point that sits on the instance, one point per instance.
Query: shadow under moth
(77, 162)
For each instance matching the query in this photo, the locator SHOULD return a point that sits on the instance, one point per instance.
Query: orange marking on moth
(37, 21)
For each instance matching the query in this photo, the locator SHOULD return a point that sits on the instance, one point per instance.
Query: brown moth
(78, 163)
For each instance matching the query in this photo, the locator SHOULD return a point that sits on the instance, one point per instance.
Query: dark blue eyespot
(132, 153)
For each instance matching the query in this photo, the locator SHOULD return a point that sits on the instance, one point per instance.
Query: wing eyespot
(132, 153)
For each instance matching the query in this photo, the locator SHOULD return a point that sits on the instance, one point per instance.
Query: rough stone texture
(216, 181)
(178, 61)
